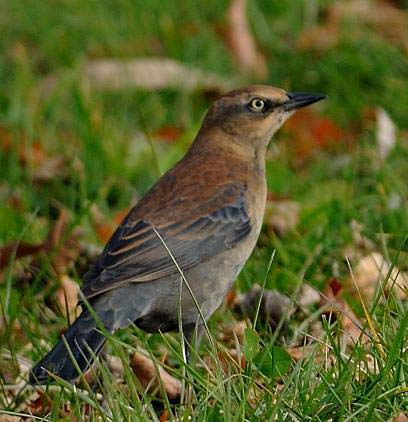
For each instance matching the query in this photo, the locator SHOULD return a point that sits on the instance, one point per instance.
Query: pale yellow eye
(257, 104)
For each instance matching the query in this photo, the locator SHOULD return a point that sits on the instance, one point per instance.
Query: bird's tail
(83, 341)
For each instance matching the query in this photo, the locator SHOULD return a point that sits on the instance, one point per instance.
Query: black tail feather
(84, 341)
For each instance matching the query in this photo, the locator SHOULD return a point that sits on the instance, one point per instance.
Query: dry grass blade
(241, 42)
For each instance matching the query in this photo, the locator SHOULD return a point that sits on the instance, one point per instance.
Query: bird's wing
(135, 253)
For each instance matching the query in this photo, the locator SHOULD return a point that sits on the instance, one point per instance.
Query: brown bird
(202, 218)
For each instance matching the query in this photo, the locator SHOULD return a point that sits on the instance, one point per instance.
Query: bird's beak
(301, 99)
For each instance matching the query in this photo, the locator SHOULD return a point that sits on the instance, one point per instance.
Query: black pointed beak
(301, 99)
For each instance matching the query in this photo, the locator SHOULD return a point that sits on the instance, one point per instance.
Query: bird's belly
(211, 280)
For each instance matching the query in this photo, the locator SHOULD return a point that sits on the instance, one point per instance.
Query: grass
(102, 139)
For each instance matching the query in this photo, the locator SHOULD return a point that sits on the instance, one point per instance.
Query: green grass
(108, 162)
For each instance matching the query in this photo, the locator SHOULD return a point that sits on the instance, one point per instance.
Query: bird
(180, 248)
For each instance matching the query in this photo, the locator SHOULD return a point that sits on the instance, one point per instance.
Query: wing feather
(135, 253)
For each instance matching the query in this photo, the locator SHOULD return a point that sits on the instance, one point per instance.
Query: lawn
(81, 140)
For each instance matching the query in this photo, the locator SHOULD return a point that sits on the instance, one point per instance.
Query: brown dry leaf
(145, 371)
(401, 417)
(308, 296)
(67, 295)
(281, 216)
(229, 298)
(42, 165)
(104, 227)
(17, 250)
(50, 168)
(336, 306)
(168, 134)
(6, 139)
(318, 38)
(55, 235)
(298, 352)
(10, 418)
(67, 252)
(115, 365)
(229, 360)
(164, 417)
(385, 19)
(63, 251)
(371, 270)
(310, 132)
(230, 333)
(241, 42)
(61, 247)
(39, 403)
(144, 72)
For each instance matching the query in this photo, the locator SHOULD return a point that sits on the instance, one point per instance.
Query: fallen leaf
(169, 134)
(385, 19)
(308, 296)
(145, 72)
(9, 418)
(164, 417)
(63, 248)
(40, 163)
(310, 132)
(373, 269)
(60, 250)
(401, 417)
(297, 353)
(40, 403)
(318, 38)
(50, 168)
(105, 227)
(385, 133)
(115, 365)
(229, 298)
(336, 306)
(17, 250)
(53, 240)
(281, 216)
(230, 333)
(242, 43)
(145, 371)
(229, 359)
(67, 295)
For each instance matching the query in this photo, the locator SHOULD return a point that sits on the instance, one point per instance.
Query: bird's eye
(257, 104)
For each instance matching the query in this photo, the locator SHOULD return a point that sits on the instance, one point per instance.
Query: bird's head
(252, 115)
